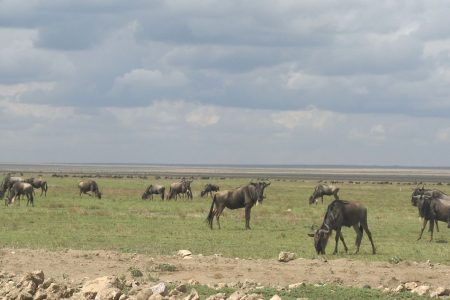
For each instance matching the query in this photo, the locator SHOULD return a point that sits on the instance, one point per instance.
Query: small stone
(236, 295)
(440, 291)
(410, 285)
(193, 295)
(399, 289)
(184, 253)
(160, 288)
(421, 290)
(219, 296)
(286, 256)
(275, 297)
(144, 294)
(296, 285)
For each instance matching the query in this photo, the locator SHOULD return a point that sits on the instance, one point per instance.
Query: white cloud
(17, 90)
(312, 117)
(376, 132)
(443, 134)
(38, 111)
(203, 116)
(151, 78)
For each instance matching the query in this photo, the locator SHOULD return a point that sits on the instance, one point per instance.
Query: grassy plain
(122, 221)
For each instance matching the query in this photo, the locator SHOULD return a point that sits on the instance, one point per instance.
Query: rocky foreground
(34, 285)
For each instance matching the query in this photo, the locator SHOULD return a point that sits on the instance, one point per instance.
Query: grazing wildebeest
(245, 196)
(322, 190)
(38, 184)
(433, 207)
(89, 186)
(7, 184)
(417, 200)
(342, 213)
(20, 188)
(209, 189)
(181, 187)
(154, 189)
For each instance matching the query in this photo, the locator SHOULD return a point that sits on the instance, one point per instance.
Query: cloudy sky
(225, 82)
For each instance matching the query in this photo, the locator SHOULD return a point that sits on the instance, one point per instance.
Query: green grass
(122, 221)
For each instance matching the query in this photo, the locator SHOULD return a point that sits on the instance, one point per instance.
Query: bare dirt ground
(78, 266)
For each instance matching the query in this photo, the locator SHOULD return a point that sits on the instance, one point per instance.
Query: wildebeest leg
(369, 234)
(338, 235)
(322, 198)
(425, 221)
(448, 220)
(359, 235)
(247, 216)
(219, 211)
(343, 242)
(431, 229)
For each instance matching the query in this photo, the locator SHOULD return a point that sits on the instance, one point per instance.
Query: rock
(193, 282)
(104, 288)
(366, 286)
(421, 290)
(296, 285)
(25, 296)
(440, 291)
(193, 295)
(410, 285)
(182, 288)
(37, 277)
(252, 297)
(160, 288)
(399, 288)
(144, 294)
(156, 297)
(275, 297)
(219, 296)
(286, 256)
(237, 295)
(40, 295)
(184, 253)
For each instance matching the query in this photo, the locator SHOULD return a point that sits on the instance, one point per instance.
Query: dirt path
(77, 266)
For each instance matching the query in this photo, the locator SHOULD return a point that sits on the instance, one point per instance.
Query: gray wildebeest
(153, 189)
(433, 206)
(209, 189)
(38, 184)
(322, 190)
(417, 200)
(342, 213)
(242, 197)
(18, 189)
(181, 187)
(7, 184)
(89, 186)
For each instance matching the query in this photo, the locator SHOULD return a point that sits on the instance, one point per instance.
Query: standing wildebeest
(181, 187)
(433, 206)
(322, 190)
(417, 200)
(7, 184)
(245, 196)
(38, 184)
(342, 213)
(153, 189)
(18, 189)
(89, 186)
(209, 189)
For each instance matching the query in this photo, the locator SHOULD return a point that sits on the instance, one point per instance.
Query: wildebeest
(418, 201)
(342, 213)
(209, 189)
(246, 196)
(153, 189)
(38, 184)
(89, 186)
(21, 188)
(322, 190)
(181, 187)
(433, 206)
(7, 184)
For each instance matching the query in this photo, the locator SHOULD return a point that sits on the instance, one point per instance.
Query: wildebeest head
(321, 239)
(98, 194)
(146, 194)
(259, 188)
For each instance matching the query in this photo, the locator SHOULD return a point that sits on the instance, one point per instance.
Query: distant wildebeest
(242, 197)
(89, 186)
(209, 189)
(322, 190)
(153, 189)
(7, 184)
(433, 206)
(417, 200)
(38, 184)
(181, 187)
(342, 213)
(18, 189)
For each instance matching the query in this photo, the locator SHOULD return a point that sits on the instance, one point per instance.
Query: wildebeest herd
(432, 205)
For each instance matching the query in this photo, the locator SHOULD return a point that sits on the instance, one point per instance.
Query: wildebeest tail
(210, 217)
